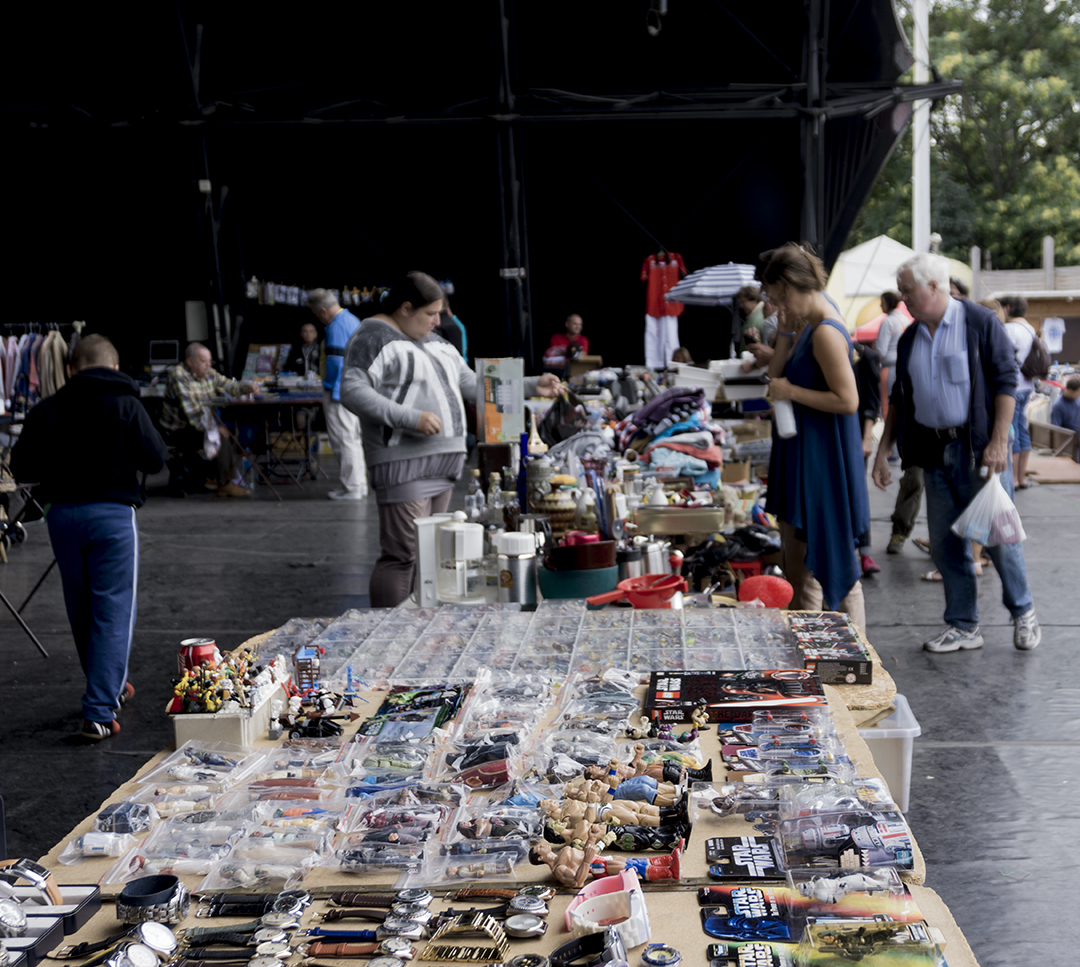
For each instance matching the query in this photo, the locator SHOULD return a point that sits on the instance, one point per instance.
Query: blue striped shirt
(341, 328)
(940, 378)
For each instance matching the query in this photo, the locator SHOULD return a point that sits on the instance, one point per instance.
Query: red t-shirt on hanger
(661, 276)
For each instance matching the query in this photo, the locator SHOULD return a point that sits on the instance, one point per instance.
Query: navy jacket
(88, 443)
(992, 367)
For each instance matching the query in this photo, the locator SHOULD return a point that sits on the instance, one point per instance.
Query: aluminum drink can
(194, 651)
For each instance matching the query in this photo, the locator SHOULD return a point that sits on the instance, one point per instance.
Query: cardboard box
(733, 473)
(238, 728)
(500, 400)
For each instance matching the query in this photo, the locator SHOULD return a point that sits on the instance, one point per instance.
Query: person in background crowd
(1066, 409)
(452, 329)
(187, 415)
(867, 365)
(407, 385)
(682, 355)
(342, 426)
(817, 477)
(957, 289)
(305, 358)
(995, 307)
(565, 346)
(753, 313)
(894, 323)
(950, 412)
(86, 446)
(1021, 334)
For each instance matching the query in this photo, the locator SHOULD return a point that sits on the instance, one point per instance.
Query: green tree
(1005, 154)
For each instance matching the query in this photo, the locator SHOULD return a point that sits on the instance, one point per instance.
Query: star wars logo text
(755, 955)
(757, 858)
(749, 902)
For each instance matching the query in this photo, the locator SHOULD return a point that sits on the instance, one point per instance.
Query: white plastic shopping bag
(991, 518)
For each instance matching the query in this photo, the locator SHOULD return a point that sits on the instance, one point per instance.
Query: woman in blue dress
(817, 478)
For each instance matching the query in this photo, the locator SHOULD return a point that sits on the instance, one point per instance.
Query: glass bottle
(474, 498)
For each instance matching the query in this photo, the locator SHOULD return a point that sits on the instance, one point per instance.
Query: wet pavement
(995, 771)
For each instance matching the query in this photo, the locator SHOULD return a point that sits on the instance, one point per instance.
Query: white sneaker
(953, 639)
(346, 495)
(1026, 631)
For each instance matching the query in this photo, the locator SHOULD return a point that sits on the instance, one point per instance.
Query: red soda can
(194, 651)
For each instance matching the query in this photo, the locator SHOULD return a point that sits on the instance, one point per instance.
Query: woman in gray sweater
(408, 385)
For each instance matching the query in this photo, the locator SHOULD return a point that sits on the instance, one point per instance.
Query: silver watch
(169, 909)
(34, 873)
(12, 919)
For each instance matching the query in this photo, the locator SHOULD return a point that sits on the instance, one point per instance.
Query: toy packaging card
(754, 953)
(742, 858)
(832, 646)
(854, 840)
(744, 913)
(873, 943)
(730, 696)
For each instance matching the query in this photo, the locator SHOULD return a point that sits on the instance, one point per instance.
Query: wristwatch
(660, 955)
(398, 947)
(12, 918)
(292, 902)
(445, 946)
(522, 925)
(162, 898)
(38, 875)
(403, 911)
(132, 955)
(158, 937)
(418, 896)
(528, 960)
(594, 948)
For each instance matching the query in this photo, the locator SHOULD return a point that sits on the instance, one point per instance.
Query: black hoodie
(89, 442)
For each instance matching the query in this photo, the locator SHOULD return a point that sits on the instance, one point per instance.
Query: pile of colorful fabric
(674, 432)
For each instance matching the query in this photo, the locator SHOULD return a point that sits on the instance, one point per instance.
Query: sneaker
(896, 544)
(868, 566)
(96, 731)
(234, 490)
(953, 639)
(347, 494)
(1026, 631)
(126, 694)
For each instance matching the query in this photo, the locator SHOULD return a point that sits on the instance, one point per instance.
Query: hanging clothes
(661, 271)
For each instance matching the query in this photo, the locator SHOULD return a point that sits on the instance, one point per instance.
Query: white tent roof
(870, 268)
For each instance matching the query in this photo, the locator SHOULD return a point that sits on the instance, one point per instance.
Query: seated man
(306, 357)
(565, 346)
(187, 414)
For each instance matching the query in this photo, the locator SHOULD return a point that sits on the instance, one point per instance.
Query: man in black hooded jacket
(84, 448)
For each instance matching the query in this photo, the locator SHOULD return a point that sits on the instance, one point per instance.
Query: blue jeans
(949, 489)
(1021, 441)
(97, 552)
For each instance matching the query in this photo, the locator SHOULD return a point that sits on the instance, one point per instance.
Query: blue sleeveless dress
(817, 478)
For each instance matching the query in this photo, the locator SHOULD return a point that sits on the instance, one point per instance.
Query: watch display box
(42, 935)
(81, 902)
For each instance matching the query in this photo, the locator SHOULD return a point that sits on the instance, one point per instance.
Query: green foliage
(1005, 156)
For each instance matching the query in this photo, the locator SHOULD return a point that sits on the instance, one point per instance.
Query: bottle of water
(784, 414)
(474, 498)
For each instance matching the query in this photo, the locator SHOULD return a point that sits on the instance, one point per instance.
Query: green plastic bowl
(576, 584)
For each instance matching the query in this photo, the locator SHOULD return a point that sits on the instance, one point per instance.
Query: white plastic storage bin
(695, 376)
(891, 742)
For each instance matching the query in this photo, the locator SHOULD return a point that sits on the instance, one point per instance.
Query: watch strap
(75, 951)
(219, 955)
(359, 913)
(321, 949)
(48, 885)
(188, 962)
(362, 899)
(235, 938)
(197, 935)
(468, 892)
(591, 945)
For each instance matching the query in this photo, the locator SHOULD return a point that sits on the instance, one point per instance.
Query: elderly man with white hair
(950, 411)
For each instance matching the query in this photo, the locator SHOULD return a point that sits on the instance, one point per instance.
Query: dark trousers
(97, 552)
(392, 579)
(190, 441)
(907, 502)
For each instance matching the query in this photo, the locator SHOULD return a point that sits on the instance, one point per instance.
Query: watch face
(134, 955)
(529, 960)
(396, 945)
(157, 937)
(524, 925)
(397, 927)
(422, 897)
(410, 911)
(12, 918)
(283, 921)
(386, 961)
(660, 955)
(184, 906)
(269, 935)
(528, 904)
(278, 949)
(264, 962)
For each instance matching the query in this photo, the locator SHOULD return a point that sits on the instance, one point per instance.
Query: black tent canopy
(458, 138)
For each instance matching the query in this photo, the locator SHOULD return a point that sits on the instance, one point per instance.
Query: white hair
(926, 268)
(321, 299)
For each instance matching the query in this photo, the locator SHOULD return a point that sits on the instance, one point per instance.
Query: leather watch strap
(203, 935)
(52, 891)
(187, 962)
(468, 892)
(359, 913)
(233, 938)
(362, 899)
(319, 949)
(220, 955)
